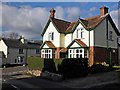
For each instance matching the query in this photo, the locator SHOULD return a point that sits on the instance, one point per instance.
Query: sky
(29, 18)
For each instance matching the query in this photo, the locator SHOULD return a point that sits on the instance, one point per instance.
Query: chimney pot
(52, 13)
(103, 10)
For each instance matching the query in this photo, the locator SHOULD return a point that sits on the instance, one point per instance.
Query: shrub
(73, 67)
(49, 65)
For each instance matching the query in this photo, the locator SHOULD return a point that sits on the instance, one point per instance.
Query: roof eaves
(45, 27)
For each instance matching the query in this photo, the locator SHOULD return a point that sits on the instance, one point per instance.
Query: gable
(113, 25)
(45, 46)
(75, 45)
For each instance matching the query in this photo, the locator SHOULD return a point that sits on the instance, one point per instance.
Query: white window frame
(51, 36)
(46, 53)
(80, 33)
(72, 53)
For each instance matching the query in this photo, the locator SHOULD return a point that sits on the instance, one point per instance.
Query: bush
(49, 65)
(96, 68)
(73, 67)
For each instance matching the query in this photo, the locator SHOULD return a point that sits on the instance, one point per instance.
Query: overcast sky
(28, 19)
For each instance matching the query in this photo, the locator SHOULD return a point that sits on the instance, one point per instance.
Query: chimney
(103, 10)
(52, 13)
(22, 39)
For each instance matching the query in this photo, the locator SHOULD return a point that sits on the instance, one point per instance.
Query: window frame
(21, 51)
(51, 36)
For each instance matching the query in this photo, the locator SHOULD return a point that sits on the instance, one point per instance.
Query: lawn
(37, 62)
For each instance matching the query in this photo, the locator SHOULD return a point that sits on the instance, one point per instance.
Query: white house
(16, 51)
(94, 38)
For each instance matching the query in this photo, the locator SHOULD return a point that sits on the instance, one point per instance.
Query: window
(80, 33)
(46, 53)
(20, 51)
(37, 51)
(51, 36)
(20, 59)
(110, 35)
(76, 53)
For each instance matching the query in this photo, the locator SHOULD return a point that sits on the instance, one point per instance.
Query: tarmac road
(100, 80)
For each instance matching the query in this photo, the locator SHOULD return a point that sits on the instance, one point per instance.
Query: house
(16, 51)
(94, 38)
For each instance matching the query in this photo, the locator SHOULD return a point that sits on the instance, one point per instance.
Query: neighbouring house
(94, 38)
(16, 51)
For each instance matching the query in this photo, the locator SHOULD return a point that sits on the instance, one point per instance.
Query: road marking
(15, 87)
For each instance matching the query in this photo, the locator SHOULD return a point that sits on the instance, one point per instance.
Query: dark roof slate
(15, 43)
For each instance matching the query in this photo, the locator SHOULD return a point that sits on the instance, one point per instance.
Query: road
(99, 80)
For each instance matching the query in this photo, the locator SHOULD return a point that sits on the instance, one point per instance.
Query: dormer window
(51, 36)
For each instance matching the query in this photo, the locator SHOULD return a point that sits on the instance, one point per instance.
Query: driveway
(14, 72)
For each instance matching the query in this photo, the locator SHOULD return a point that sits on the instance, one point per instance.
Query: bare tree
(12, 35)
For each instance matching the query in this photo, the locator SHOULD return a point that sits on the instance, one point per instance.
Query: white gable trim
(45, 46)
(75, 45)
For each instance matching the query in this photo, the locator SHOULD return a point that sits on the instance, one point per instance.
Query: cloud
(93, 9)
(116, 17)
(29, 21)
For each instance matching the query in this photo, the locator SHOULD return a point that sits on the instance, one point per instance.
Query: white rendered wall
(56, 40)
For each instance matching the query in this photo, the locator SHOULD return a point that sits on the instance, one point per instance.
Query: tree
(12, 35)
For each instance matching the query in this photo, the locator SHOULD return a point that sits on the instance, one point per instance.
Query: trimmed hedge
(72, 67)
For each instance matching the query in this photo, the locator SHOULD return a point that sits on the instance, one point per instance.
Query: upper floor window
(51, 36)
(110, 35)
(80, 33)
(37, 51)
(20, 51)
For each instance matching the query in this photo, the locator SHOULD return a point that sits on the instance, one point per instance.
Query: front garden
(67, 67)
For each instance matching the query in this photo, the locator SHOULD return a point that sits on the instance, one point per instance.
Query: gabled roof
(15, 43)
(61, 25)
(89, 23)
(79, 42)
(49, 44)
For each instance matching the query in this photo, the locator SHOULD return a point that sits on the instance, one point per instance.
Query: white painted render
(45, 46)
(3, 47)
(85, 34)
(68, 39)
(56, 40)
